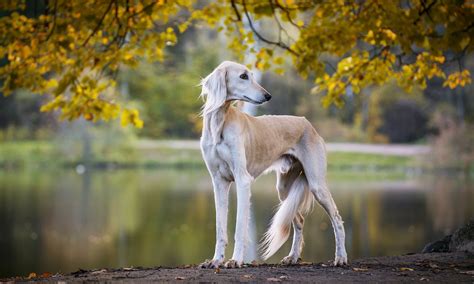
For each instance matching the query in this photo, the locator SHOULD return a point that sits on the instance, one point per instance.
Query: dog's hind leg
(312, 155)
(297, 246)
(324, 198)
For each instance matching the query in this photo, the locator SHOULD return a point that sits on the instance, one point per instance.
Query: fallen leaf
(46, 275)
(32, 275)
(273, 279)
(406, 269)
(359, 269)
(217, 270)
(99, 271)
(180, 278)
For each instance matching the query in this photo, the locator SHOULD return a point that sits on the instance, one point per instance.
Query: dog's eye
(244, 76)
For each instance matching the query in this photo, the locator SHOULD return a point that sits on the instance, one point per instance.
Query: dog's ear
(214, 88)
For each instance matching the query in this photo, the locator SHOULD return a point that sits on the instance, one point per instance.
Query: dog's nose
(268, 96)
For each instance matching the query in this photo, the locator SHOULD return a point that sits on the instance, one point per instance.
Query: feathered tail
(299, 199)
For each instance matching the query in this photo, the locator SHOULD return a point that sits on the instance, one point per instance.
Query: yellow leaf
(464, 42)
(370, 37)
(280, 71)
(52, 83)
(279, 60)
(25, 51)
(127, 56)
(331, 85)
(131, 117)
(391, 35)
(426, 43)
(88, 116)
(183, 27)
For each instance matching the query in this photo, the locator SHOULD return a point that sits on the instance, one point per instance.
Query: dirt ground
(434, 267)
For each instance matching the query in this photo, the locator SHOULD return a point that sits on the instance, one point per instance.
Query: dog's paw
(340, 260)
(233, 264)
(288, 260)
(211, 263)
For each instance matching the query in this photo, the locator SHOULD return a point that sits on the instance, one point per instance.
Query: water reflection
(61, 221)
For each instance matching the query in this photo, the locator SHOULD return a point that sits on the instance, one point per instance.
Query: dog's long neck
(213, 124)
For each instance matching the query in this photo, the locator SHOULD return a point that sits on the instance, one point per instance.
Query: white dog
(238, 148)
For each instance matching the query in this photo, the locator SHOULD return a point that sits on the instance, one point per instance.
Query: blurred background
(81, 195)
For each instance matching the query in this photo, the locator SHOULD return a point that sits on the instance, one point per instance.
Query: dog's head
(231, 81)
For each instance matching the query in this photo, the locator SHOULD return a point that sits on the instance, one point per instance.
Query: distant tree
(395, 116)
(73, 48)
(167, 92)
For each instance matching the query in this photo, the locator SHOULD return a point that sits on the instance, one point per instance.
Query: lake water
(60, 221)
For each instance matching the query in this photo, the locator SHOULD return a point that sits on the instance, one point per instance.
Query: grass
(24, 153)
(40, 154)
(347, 159)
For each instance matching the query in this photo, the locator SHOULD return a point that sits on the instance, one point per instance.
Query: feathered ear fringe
(214, 90)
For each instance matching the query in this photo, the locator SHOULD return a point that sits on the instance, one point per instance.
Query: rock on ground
(461, 240)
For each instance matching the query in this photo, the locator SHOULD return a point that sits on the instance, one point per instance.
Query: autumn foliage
(72, 50)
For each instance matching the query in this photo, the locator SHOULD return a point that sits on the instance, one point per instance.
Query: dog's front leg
(221, 199)
(243, 215)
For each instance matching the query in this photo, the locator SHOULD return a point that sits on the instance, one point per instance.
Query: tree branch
(426, 10)
(236, 11)
(287, 14)
(280, 26)
(277, 43)
(144, 9)
(54, 20)
(101, 20)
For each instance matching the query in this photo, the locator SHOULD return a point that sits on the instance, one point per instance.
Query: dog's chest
(218, 159)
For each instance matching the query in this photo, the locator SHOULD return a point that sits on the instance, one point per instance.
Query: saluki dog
(238, 148)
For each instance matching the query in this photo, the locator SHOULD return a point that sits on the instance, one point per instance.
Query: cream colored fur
(238, 148)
